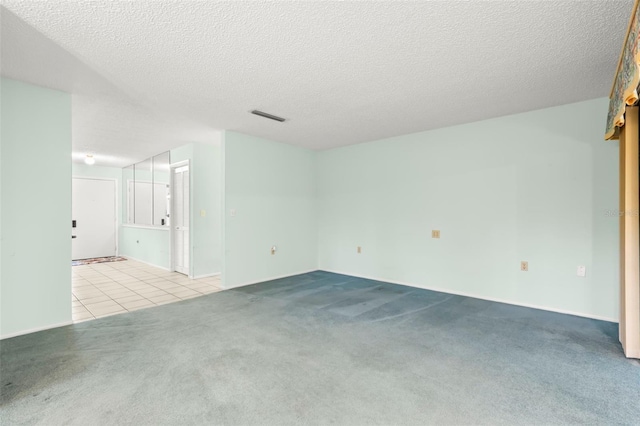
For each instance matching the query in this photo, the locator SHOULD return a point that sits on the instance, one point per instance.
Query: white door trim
(116, 204)
(172, 226)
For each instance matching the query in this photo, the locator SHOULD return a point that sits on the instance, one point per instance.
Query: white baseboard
(146, 263)
(34, 330)
(475, 296)
(269, 279)
(197, 277)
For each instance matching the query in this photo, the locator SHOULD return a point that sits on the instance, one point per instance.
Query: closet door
(180, 219)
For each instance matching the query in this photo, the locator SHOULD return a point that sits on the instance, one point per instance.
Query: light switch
(582, 271)
(203, 213)
(435, 233)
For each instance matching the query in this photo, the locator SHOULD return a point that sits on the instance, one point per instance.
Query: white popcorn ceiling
(151, 75)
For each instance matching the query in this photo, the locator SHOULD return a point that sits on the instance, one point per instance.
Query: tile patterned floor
(104, 289)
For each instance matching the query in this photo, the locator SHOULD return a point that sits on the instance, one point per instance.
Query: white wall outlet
(232, 212)
(203, 213)
(582, 271)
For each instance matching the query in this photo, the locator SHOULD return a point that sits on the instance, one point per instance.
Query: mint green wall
(271, 186)
(535, 186)
(154, 245)
(35, 277)
(182, 153)
(149, 245)
(206, 195)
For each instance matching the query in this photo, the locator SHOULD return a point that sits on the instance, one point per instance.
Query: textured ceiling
(149, 75)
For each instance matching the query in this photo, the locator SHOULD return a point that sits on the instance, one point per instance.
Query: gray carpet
(322, 348)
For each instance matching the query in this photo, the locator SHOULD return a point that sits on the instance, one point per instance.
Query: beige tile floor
(104, 289)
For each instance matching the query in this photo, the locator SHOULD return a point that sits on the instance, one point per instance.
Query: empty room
(319, 212)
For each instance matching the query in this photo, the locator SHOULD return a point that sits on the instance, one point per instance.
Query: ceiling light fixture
(90, 160)
(267, 115)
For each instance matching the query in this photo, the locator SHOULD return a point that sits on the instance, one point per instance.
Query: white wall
(35, 227)
(271, 187)
(534, 186)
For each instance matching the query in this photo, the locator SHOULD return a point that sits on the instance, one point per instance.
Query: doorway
(180, 217)
(93, 207)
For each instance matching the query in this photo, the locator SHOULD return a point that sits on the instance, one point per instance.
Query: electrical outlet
(232, 212)
(435, 233)
(203, 213)
(524, 265)
(359, 249)
(273, 250)
(582, 271)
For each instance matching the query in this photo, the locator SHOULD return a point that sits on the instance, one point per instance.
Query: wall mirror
(128, 191)
(161, 194)
(143, 192)
(146, 185)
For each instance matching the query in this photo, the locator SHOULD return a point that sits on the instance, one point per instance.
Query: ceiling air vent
(266, 115)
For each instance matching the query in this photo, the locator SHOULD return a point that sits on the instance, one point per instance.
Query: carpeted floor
(322, 348)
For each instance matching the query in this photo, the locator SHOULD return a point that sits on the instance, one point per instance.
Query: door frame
(629, 324)
(116, 204)
(174, 166)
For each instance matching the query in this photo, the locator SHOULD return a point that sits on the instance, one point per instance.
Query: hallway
(105, 289)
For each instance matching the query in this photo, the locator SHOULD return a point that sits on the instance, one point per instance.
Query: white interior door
(93, 210)
(180, 219)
